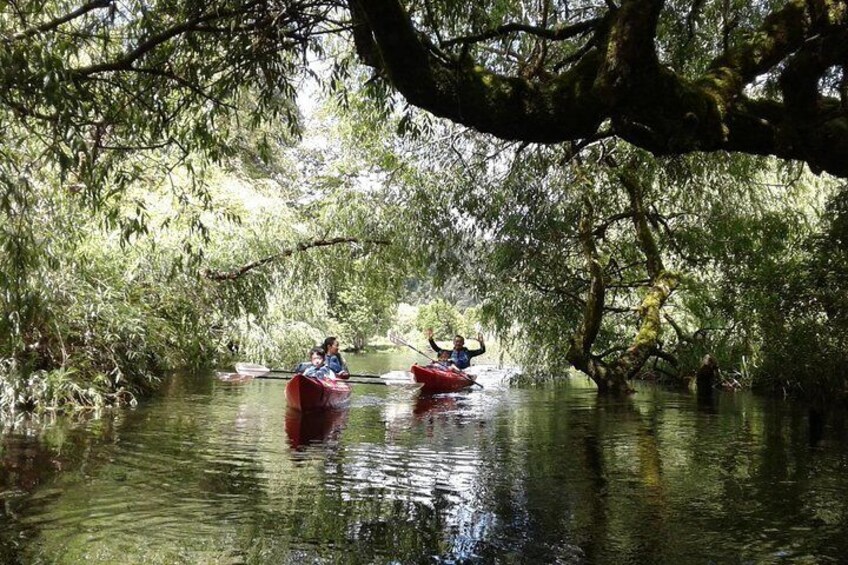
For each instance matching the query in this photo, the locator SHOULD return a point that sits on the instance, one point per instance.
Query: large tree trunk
(613, 378)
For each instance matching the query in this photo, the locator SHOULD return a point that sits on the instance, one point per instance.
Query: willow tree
(103, 94)
(104, 107)
(671, 78)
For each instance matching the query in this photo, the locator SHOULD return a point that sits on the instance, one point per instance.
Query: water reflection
(220, 472)
(427, 404)
(307, 428)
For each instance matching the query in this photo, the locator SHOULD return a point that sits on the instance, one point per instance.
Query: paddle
(262, 372)
(251, 368)
(396, 339)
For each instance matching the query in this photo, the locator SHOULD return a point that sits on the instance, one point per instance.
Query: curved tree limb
(241, 271)
(621, 80)
(58, 21)
(508, 107)
(554, 34)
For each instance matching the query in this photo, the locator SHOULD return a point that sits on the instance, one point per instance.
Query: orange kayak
(309, 393)
(440, 380)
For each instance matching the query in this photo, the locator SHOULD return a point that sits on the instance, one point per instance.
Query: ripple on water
(544, 474)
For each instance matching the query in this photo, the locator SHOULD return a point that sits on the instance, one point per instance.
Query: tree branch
(125, 62)
(54, 23)
(644, 237)
(554, 34)
(620, 80)
(593, 313)
(509, 107)
(234, 274)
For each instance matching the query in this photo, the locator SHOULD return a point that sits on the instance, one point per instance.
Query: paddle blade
(252, 369)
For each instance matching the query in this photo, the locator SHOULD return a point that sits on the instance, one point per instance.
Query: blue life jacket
(322, 372)
(461, 358)
(334, 363)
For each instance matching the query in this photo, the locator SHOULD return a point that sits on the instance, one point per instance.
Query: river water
(213, 471)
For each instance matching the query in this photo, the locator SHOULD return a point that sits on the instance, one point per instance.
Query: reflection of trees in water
(33, 457)
(567, 466)
(653, 479)
(405, 499)
(371, 502)
(538, 475)
(125, 475)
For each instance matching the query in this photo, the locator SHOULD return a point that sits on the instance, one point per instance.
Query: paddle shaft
(354, 375)
(400, 341)
(290, 374)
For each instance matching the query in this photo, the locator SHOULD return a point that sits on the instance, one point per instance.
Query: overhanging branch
(554, 34)
(620, 80)
(56, 22)
(300, 247)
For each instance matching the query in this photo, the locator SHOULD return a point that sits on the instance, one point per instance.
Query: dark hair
(317, 351)
(459, 336)
(328, 342)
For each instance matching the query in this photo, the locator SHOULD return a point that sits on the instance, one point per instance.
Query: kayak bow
(308, 393)
(440, 380)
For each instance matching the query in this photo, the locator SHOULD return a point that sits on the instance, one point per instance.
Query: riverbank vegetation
(166, 204)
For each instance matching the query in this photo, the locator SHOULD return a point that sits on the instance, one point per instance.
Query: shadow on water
(219, 472)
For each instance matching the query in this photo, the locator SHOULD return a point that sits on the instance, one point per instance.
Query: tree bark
(614, 377)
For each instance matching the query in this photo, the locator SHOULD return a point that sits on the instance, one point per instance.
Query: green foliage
(804, 320)
(99, 315)
(364, 299)
(405, 320)
(145, 145)
(737, 229)
(445, 320)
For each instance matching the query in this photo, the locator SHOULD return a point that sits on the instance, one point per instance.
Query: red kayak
(440, 380)
(308, 393)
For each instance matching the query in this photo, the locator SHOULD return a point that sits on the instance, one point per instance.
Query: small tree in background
(443, 318)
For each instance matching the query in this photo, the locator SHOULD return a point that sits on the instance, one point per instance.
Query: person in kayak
(444, 362)
(460, 355)
(316, 367)
(334, 359)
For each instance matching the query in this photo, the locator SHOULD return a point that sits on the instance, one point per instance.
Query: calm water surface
(218, 472)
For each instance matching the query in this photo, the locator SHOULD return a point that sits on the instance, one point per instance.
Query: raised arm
(433, 345)
(481, 350)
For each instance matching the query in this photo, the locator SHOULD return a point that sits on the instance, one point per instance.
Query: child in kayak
(445, 363)
(316, 367)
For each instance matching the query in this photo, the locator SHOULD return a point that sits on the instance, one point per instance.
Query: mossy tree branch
(621, 79)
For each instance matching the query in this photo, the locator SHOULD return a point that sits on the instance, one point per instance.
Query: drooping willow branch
(55, 23)
(300, 247)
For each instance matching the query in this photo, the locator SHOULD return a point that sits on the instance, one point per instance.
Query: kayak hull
(438, 380)
(308, 393)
